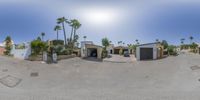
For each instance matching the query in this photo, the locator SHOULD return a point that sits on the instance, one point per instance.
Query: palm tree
(191, 38)
(75, 24)
(123, 43)
(157, 40)
(42, 34)
(182, 41)
(62, 21)
(119, 42)
(57, 28)
(137, 41)
(84, 38)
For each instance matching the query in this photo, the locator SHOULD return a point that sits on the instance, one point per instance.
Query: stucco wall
(83, 48)
(21, 53)
(154, 46)
(109, 48)
(2, 50)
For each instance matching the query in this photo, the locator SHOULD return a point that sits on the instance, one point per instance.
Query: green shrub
(104, 53)
(66, 52)
(38, 46)
(172, 50)
(57, 42)
(120, 52)
(58, 48)
(8, 45)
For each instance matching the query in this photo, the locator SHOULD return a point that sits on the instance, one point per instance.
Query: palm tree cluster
(182, 40)
(74, 24)
(191, 38)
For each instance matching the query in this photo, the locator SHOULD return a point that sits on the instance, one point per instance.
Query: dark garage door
(146, 53)
(116, 51)
(92, 52)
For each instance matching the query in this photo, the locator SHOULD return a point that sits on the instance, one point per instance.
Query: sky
(118, 20)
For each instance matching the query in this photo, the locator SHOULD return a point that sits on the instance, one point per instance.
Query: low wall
(35, 58)
(60, 57)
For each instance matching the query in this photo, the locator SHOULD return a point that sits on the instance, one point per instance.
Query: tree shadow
(94, 59)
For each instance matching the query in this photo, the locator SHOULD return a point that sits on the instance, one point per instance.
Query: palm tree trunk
(57, 34)
(73, 39)
(63, 25)
(74, 33)
(71, 34)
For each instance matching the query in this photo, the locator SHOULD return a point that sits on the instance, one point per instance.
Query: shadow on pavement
(93, 59)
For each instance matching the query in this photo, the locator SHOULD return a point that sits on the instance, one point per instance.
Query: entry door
(146, 53)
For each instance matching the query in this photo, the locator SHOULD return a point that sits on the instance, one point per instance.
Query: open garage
(92, 52)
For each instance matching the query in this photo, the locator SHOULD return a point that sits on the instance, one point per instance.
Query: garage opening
(92, 52)
(116, 51)
(111, 51)
(146, 53)
(125, 50)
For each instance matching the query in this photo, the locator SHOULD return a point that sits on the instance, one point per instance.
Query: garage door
(92, 52)
(146, 53)
(116, 51)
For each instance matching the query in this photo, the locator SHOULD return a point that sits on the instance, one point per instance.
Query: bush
(57, 42)
(120, 52)
(66, 52)
(38, 46)
(172, 50)
(8, 45)
(58, 49)
(104, 53)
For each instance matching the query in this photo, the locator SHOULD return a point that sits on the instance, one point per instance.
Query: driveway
(172, 78)
(120, 59)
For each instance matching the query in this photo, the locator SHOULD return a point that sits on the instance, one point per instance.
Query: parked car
(126, 54)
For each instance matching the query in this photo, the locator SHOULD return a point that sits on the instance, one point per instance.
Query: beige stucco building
(88, 49)
(149, 51)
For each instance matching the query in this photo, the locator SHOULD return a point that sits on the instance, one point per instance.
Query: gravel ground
(170, 78)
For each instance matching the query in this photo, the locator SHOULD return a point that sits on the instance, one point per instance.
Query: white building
(4, 43)
(110, 49)
(21, 53)
(149, 51)
(83, 48)
(88, 49)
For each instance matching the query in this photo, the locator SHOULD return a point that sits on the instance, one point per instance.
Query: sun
(100, 16)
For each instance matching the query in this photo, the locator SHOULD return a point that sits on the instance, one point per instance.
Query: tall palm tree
(42, 34)
(119, 42)
(182, 41)
(137, 41)
(57, 28)
(75, 24)
(84, 38)
(62, 21)
(191, 38)
(157, 40)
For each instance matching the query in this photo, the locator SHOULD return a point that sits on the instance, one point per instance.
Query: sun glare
(100, 17)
